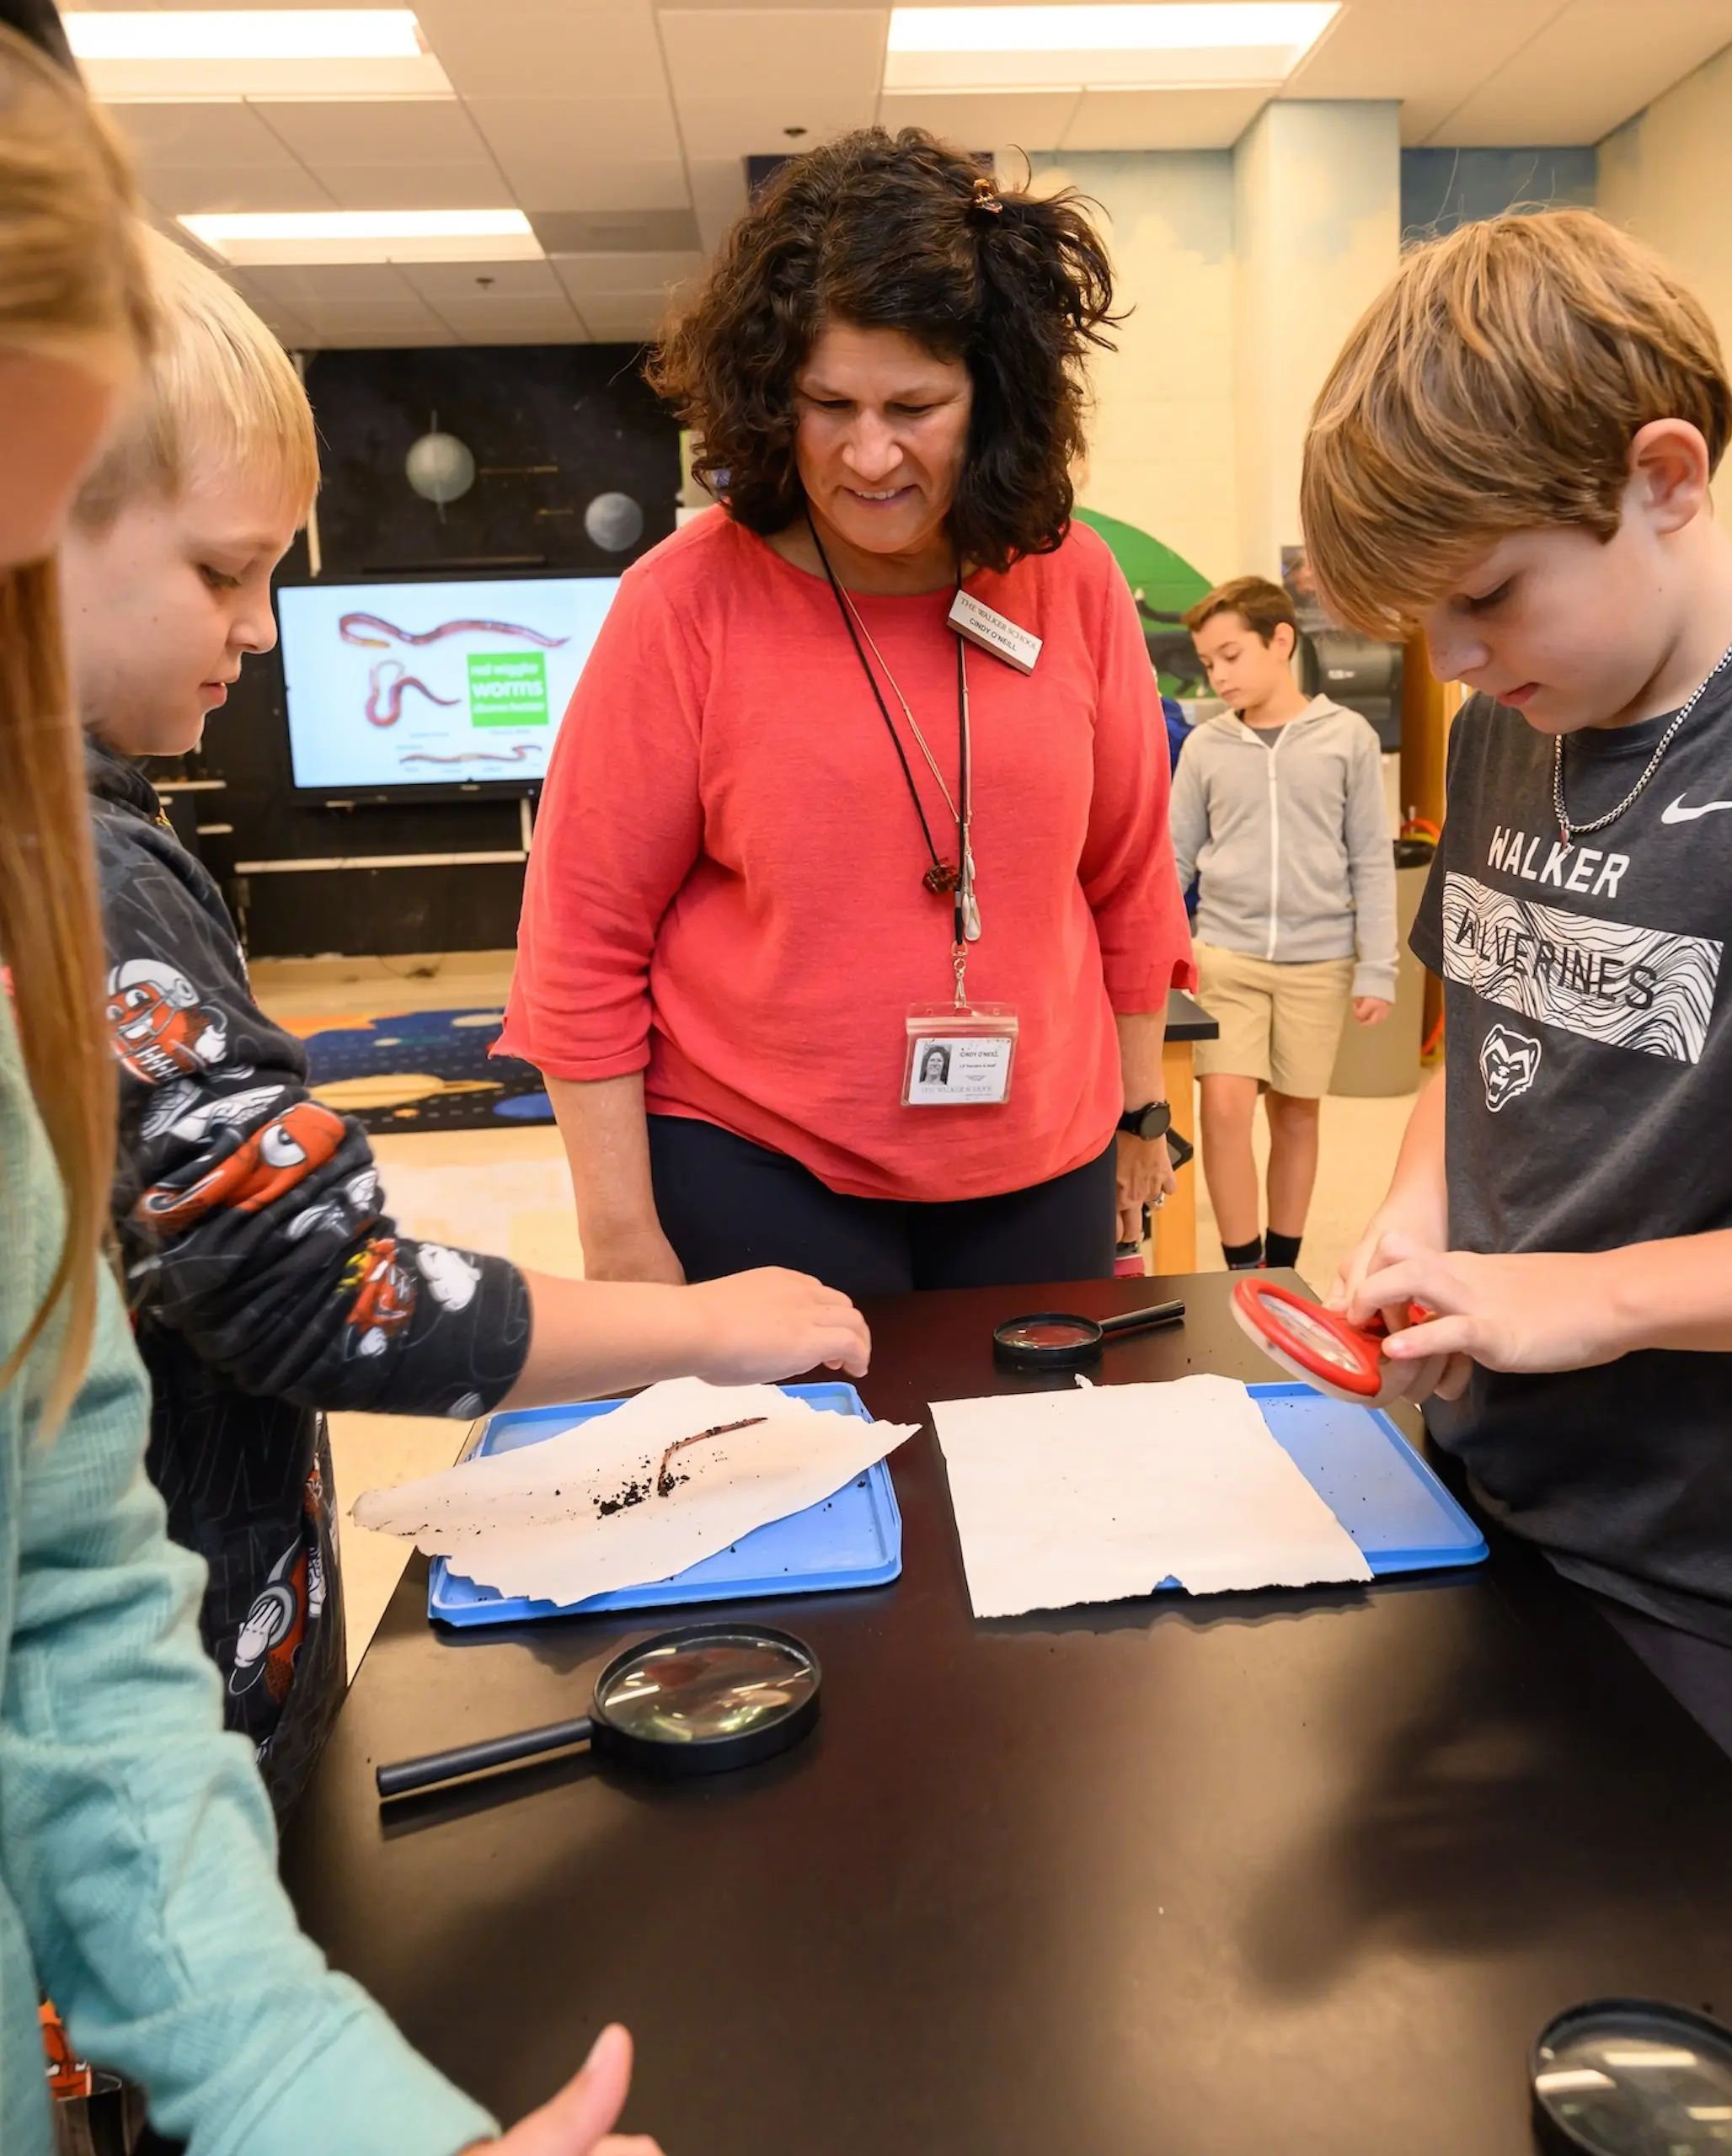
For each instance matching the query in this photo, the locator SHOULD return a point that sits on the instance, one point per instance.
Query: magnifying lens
(1054, 1339)
(1315, 1345)
(1634, 2076)
(695, 1701)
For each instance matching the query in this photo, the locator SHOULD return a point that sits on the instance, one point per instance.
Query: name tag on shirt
(959, 1058)
(984, 626)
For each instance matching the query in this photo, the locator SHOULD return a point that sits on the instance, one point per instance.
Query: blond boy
(268, 1282)
(1515, 452)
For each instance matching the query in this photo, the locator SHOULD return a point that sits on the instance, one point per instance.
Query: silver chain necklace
(1570, 832)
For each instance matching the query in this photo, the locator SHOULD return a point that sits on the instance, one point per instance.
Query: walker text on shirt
(980, 624)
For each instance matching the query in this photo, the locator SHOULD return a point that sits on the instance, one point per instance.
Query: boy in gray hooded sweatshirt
(1278, 809)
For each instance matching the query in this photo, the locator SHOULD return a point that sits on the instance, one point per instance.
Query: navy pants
(726, 1204)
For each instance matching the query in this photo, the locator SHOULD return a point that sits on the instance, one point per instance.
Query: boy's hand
(575, 2122)
(1545, 1311)
(1396, 1230)
(771, 1324)
(1414, 1224)
(1370, 1009)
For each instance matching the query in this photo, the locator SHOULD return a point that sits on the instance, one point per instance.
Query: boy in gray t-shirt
(1538, 499)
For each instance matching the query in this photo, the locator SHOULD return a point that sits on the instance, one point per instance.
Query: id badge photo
(959, 1055)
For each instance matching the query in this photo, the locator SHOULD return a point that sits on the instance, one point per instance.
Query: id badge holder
(959, 1055)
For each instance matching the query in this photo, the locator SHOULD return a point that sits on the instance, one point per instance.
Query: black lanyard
(942, 877)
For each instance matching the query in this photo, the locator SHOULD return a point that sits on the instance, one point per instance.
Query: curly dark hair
(899, 233)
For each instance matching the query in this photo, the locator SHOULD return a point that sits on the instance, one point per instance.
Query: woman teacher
(800, 829)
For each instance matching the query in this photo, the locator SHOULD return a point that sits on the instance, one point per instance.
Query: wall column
(1316, 223)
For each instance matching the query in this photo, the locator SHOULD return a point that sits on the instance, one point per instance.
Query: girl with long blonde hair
(137, 1873)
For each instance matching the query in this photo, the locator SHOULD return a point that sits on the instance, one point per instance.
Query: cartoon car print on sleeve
(158, 1027)
(271, 1631)
(291, 1599)
(244, 1171)
(384, 1298)
(452, 1277)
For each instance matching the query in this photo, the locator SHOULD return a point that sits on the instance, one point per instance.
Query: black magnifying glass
(695, 1701)
(1634, 2076)
(1056, 1340)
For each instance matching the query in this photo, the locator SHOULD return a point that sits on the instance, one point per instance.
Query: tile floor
(508, 1190)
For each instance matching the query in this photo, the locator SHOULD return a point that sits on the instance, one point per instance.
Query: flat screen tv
(436, 683)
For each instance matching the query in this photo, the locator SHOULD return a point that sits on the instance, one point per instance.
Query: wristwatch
(1154, 1121)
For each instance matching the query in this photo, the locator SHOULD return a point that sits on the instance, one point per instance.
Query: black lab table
(1276, 1875)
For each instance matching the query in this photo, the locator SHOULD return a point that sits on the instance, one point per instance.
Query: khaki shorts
(1279, 1023)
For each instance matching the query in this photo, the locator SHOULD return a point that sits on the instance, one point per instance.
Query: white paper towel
(579, 1514)
(1098, 1493)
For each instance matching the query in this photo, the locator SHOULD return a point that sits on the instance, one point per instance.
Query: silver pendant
(971, 907)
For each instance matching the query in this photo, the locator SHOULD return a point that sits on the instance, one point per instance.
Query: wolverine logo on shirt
(1508, 1062)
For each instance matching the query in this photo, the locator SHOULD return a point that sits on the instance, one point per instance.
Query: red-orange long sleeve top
(726, 887)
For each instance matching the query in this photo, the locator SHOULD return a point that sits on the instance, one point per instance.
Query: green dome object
(1168, 582)
(1164, 583)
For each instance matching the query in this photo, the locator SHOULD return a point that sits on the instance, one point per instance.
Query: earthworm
(350, 624)
(393, 687)
(475, 755)
(664, 1482)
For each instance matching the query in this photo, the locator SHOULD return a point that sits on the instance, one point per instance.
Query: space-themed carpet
(422, 1071)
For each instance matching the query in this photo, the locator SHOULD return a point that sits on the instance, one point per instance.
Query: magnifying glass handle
(1139, 1320)
(407, 1774)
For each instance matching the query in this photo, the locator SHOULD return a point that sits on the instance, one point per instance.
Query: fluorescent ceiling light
(1187, 45)
(325, 236)
(152, 55)
(246, 34)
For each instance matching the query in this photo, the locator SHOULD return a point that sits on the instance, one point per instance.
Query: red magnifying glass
(1319, 1347)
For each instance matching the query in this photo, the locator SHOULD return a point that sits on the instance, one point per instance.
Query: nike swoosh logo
(1675, 812)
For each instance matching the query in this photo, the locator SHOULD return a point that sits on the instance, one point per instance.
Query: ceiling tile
(597, 276)
(291, 328)
(717, 195)
(179, 193)
(507, 282)
(304, 285)
(506, 48)
(624, 317)
(407, 320)
(207, 135)
(776, 54)
(640, 233)
(417, 187)
(1593, 66)
(1399, 48)
(1025, 120)
(575, 183)
(519, 322)
(1161, 120)
(1430, 58)
(745, 127)
(342, 336)
(587, 130)
(411, 131)
(569, 331)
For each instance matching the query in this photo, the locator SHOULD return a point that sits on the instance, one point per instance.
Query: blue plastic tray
(1355, 1458)
(851, 1539)
(1372, 1480)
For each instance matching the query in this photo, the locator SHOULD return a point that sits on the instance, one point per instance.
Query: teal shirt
(138, 1882)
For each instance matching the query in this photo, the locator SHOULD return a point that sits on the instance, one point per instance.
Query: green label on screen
(508, 688)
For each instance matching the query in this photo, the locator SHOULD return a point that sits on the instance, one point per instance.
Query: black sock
(1242, 1257)
(1280, 1250)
